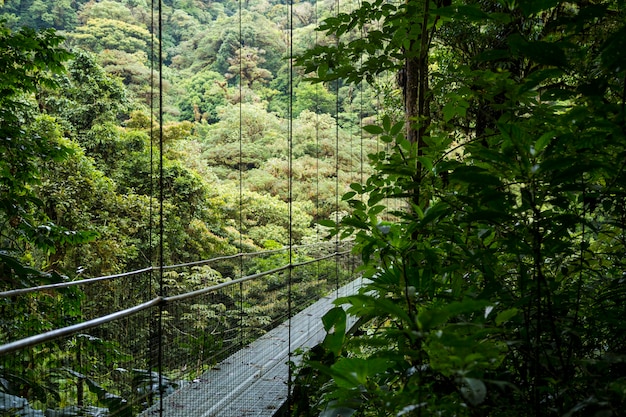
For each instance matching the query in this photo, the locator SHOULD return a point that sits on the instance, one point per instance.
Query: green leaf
(354, 222)
(426, 162)
(396, 128)
(506, 315)
(322, 70)
(543, 141)
(375, 198)
(353, 373)
(456, 106)
(373, 211)
(348, 195)
(430, 318)
(327, 223)
(433, 212)
(368, 304)
(357, 187)
(386, 123)
(335, 325)
(373, 129)
(357, 205)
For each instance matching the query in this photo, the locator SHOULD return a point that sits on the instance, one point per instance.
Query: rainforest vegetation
(89, 169)
(498, 289)
(94, 181)
(491, 224)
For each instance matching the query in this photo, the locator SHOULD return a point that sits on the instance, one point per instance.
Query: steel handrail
(75, 328)
(20, 291)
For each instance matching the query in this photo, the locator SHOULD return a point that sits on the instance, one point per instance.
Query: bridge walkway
(253, 381)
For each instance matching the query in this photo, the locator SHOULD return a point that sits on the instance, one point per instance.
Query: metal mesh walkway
(252, 381)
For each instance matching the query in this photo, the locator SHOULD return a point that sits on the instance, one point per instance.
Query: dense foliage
(81, 183)
(492, 227)
(225, 128)
(497, 285)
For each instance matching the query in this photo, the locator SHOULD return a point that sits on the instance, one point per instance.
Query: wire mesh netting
(212, 346)
(89, 371)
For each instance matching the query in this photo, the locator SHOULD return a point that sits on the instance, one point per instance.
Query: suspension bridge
(220, 350)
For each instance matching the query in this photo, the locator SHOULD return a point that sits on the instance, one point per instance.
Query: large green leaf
(363, 304)
(352, 373)
(335, 325)
(432, 317)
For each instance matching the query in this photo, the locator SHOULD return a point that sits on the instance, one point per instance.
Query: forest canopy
(91, 97)
(98, 181)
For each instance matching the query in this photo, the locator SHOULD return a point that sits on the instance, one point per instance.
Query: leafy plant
(494, 284)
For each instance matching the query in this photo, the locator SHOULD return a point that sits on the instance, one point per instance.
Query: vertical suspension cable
(361, 161)
(290, 201)
(362, 179)
(153, 324)
(353, 259)
(240, 88)
(337, 167)
(161, 169)
(240, 108)
(317, 147)
(151, 186)
(350, 171)
(161, 198)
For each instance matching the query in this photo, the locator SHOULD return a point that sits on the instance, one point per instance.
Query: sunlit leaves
(335, 325)
(105, 33)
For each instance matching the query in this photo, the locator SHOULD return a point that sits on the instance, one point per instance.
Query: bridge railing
(116, 345)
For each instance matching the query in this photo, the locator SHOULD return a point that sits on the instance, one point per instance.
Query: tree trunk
(416, 99)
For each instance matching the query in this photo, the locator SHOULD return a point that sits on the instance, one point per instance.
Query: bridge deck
(253, 381)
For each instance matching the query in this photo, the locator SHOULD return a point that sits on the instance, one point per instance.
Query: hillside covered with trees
(94, 180)
(225, 133)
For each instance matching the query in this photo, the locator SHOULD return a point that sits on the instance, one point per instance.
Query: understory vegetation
(497, 283)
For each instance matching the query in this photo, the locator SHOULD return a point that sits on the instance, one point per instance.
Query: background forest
(221, 135)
